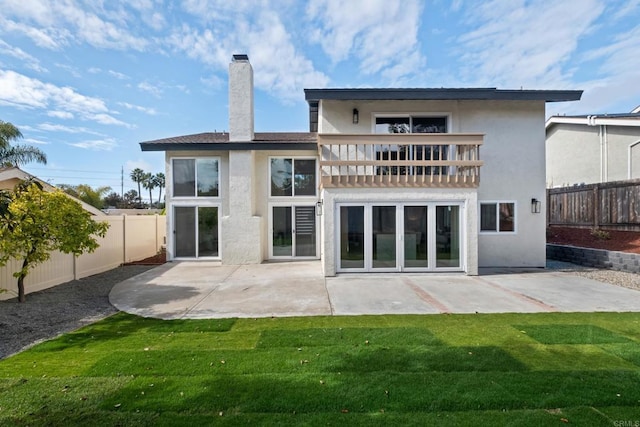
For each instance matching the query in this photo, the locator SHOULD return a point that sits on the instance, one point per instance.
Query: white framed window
(292, 177)
(498, 217)
(195, 177)
(411, 123)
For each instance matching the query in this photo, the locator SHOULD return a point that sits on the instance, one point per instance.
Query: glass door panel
(415, 237)
(383, 235)
(207, 231)
(305, 232)
(185, 231)
(282, 231)
(352, 237)
(448, 236)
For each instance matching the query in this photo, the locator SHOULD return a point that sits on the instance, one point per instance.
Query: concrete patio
(198, 290)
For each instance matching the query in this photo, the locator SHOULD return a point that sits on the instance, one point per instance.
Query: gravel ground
(63, 308)
(69, 306)
(619, 278)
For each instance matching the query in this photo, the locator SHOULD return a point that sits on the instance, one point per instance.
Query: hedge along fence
(129, 238)
(611, 205)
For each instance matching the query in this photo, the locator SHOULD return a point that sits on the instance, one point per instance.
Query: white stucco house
(386, 180)
(595, 148)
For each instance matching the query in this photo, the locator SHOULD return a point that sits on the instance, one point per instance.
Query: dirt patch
(623, 241)
(157, 259)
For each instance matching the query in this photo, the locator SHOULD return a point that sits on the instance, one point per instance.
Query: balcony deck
(400, 160)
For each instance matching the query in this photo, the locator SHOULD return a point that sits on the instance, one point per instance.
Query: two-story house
(386, 180)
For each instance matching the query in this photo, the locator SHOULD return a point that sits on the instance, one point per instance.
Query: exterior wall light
(356, 116)
(319, 208)
(535, 205)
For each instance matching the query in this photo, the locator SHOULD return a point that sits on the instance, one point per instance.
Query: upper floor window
(497, 217)
(293, 177)
(411, 124)
(196, 177)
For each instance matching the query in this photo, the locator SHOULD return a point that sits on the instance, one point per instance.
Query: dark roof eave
(442, 94)
(229, 146)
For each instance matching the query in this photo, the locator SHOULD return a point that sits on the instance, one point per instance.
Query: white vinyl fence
(129, 238)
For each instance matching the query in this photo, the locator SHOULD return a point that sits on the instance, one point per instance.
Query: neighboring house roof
(622, 119)
(443, 94)
(10, 176)
(220, 141)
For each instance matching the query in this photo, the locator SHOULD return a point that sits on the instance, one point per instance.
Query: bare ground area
(623, 241)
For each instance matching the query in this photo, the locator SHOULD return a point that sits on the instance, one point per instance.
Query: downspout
(606, 152)
(630, 160)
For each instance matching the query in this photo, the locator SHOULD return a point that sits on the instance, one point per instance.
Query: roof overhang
(228, 146)
(594, 120)
(442, 94)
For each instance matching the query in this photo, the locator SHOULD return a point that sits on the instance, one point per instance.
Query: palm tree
(18, 154)
(137, 175)
(149, 184)
(159, 181)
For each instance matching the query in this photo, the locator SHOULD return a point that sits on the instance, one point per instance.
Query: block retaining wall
(598, 258)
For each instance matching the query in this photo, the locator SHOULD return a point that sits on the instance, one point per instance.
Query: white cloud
(280, 68)
(36, 141)
(94, 70)
(381, 34)
(51, 127)
(106, 144)
(54, 24)
(118, 75)
(60, 114)
(149, 88)
(518, 43)
(107, 119)
(147, 110)
(28, 60)
(25, 92)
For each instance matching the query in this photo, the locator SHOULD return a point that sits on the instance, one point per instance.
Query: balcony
(442, 160)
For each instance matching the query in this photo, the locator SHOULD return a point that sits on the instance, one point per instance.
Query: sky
(87, 81)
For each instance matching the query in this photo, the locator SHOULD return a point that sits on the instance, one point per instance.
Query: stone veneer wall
(598, 258)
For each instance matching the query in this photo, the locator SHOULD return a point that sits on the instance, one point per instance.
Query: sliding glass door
(400, 237)
(293, 232)
(196, 231)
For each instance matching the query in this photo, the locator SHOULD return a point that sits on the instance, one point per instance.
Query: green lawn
(507, 369)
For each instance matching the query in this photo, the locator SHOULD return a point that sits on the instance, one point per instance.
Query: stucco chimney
(240, 99)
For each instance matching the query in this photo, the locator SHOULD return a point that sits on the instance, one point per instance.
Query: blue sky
(86, 81)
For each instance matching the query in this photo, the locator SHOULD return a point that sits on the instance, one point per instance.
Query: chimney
(240, 99)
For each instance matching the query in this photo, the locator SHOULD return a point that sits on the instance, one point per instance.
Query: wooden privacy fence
(610, 205)
(129, 238)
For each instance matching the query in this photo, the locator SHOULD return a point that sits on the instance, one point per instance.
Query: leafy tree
(130, 199)
(17, 155)
(149, 184)
(159, 181)
(86, 193)
(34, 222)
(137, 176)
(113, 199)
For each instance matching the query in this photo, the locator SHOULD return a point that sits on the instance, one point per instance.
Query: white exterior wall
(263, 189)
(331, 197)
(514, 169)
(572, 155)
(579, 154)
(221, 201)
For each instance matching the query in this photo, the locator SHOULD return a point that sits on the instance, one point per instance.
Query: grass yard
(506, 369)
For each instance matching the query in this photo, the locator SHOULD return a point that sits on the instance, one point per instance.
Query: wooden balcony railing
(400, 160)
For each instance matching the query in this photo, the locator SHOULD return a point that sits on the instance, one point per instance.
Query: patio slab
(199, 290)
